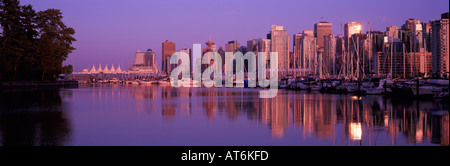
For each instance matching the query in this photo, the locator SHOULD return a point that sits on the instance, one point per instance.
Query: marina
(423, 88)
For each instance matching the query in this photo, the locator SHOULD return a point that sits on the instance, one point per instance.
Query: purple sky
(111, 31)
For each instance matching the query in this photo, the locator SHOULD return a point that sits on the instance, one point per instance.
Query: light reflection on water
(160, 115)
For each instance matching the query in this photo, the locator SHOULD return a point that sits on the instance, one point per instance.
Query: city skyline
(106, 36)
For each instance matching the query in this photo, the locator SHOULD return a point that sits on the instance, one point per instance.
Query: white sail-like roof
(118, 70)
(99, 70)
(106, 70)
(112, 70)
(93, 70)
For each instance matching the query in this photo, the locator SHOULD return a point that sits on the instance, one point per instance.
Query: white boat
(315, 87)
(425, 91)
(351, 88)
(374, 91)
(380, 89)
(164, 81)
(440, 82)
(148, 82)
(300, 86)
(443, 95)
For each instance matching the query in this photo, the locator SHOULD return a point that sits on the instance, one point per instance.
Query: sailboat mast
(404, 63)
(392, 43)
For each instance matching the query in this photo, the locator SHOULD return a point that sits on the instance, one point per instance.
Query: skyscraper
(252, 45)
(321, 30)
(392, 31)
(264, 46)
(232, 46)
(415, 28)
(280, 43)
(426, 31)
(307, 51)
(210, 47)
(168, 48)
(329, 59)
(439, 46)
(297, 47)
(350, 29)
(188, 51)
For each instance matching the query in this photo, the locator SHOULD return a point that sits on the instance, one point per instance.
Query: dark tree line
(33, 44)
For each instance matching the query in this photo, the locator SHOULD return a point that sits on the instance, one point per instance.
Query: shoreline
(38, 84)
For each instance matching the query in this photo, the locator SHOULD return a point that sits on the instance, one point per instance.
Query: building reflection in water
(341, 119)
(33, 117)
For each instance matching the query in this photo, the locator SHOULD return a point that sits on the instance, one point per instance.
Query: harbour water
(163, 115)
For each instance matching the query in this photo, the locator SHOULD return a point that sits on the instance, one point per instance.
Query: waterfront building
(168, 48)
(210, 47)
(440, 45)
(414, 27)
(99, 70)
(307, 52)
(188, 51)
(252, 45)
(280, 43)
(426, 32)
(350, 29)
(145, 62)
(93, 70)
(296, 48)
(112, 70)
(392, 31)
(232, 46)
(404, 64)
(222, 54)
(264, 46)
(329, 56)
(321, 30)
(105, 70)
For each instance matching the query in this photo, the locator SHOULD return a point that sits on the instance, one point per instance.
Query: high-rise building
(444, 15)
(308, 32)
(188, 51)
(367, 53)
(252, 45)
(392, 31)
(280, 43)
(414, 27)
(426, 31)
(301, 47)
(222, 54)
(339, 52)
(403, 64)
(321, 30)
(210, 47)
(296, 48)
(439, 46)
(329, 56)
(264, 46)
(307, 52)
(232, 46)
(168, 48)
(350, 29)
(145, 62)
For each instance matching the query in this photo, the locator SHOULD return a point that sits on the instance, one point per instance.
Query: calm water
(156, 115)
